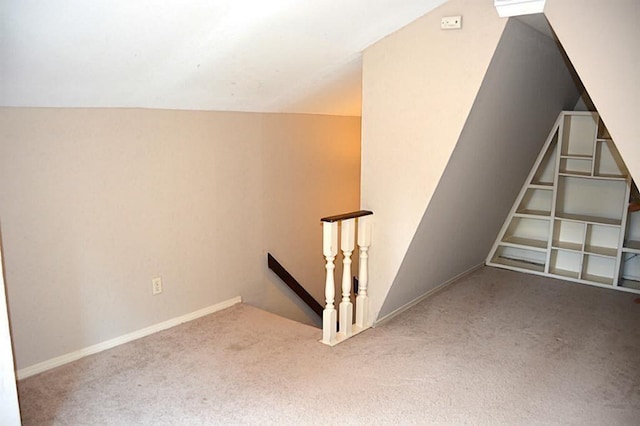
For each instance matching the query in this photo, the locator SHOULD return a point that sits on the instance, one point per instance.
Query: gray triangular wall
(528, 83)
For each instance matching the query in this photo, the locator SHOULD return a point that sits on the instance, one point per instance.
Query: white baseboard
(428, 294)
(93, 349)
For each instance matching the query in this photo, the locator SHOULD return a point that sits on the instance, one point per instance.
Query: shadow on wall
(527, 84)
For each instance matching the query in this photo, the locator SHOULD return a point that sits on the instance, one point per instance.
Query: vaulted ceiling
(236, 55)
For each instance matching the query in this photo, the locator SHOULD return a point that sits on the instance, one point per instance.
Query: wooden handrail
(345, 216)
(294, 285)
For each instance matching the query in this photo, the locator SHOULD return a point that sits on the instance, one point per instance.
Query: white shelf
(519, 264)
(630, 269)
(570, 218)
(563, 245)
(523, 258)
(533, 213)
(598, 279)
(564, 273)
(578, 134)
(633, 284)
(525, 242)
(601, 251)
(578, 157)
(535, 202)
(588, 175)
(631, 247)
(589, 219)
(608, 160)
(544, 173)
(542, 186)
(527, 227)
(599, 269)
(610, 177)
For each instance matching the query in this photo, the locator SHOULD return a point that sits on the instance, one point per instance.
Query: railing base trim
(341, 337)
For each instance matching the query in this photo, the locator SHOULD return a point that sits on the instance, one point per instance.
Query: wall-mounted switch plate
(156, 285)
(451, 22)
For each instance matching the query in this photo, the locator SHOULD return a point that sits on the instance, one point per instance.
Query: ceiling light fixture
(508, 8)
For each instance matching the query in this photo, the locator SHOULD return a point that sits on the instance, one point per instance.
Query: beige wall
(603, 43)
(418, 87)
(311, 170)
(94, 203)
(525, 88)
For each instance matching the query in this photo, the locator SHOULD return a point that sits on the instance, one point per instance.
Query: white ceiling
(235, 55)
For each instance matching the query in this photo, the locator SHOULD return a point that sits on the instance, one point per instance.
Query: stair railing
(294, 285)
(333, 333)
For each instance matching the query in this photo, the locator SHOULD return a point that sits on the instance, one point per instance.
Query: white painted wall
(525, 88)
(9, 409)
(602, 40)
(419, 85)
(96, 202)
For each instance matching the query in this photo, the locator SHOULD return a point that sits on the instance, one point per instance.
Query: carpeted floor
(497, 347)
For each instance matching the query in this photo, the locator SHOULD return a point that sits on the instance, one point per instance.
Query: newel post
(362, 300)
(329, 249)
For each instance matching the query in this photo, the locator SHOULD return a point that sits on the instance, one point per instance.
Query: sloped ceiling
(237, 55)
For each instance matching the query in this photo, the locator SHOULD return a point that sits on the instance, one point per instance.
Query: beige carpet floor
(498, 347)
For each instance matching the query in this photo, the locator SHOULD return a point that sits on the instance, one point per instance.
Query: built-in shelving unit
(630, 259)
(571, 219)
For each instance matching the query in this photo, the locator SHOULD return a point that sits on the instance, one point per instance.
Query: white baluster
(362, 300)
(347, 240)
(329, 249)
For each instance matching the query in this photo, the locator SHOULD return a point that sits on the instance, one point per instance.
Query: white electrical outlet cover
(451, 22)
